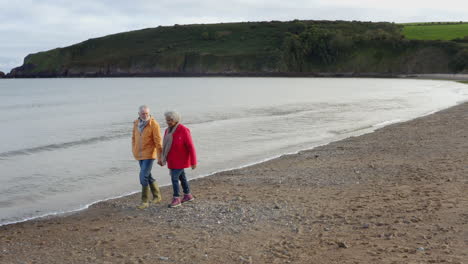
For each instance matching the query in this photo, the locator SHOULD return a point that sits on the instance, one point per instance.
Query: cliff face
(262, 48)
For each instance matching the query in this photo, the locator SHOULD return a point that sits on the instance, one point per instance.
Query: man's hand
(160, 162)
(194, 166)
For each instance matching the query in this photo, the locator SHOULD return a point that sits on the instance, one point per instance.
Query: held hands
(160, 163)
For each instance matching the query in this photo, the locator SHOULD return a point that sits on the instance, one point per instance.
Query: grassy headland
(252, 48)
(436, 31)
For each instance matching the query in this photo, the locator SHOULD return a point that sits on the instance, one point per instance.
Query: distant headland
(274, 48)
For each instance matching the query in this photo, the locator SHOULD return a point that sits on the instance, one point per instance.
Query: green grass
(432, 31)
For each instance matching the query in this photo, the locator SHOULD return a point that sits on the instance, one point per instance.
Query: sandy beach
(398, 195)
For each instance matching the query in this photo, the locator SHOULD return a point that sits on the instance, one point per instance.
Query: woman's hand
(194, 166)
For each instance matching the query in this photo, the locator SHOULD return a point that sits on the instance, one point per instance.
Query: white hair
(172, 115)
(142, 107)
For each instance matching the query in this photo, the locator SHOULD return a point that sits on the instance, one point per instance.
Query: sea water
(66, 143)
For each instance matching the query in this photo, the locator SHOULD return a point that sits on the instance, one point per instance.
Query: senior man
(146, 147)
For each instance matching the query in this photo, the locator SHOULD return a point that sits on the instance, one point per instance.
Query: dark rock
(342, 244)
(22, 71)
(2, 74)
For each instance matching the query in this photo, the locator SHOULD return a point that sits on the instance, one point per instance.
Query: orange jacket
(146, 145)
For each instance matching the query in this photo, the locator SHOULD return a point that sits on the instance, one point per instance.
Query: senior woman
(179, 153)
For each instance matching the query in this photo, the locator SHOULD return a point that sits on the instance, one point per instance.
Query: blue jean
(145, 172)
(176, 175)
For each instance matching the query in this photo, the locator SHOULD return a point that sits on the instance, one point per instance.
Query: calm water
(65, 143)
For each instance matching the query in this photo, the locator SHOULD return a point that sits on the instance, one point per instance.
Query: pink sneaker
(187, 198)
(175, 202)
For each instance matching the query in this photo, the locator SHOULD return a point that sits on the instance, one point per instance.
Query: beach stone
(342, 244)
(388, 236)
(163, 258)
(245, 260)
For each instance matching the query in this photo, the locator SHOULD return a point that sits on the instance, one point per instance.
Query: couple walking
(176, 150)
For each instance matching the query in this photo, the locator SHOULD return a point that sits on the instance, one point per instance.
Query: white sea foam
(386, 123)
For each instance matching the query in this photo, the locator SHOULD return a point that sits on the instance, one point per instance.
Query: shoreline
(424, 76)
(362, 131)
(397, 194)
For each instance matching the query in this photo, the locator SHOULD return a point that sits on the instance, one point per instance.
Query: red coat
(182, 154)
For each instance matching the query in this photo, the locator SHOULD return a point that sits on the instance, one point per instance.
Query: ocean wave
(31, 105)
(350, 130)
(386, 123)
(122, 129)
(52, 147)
(276, 111)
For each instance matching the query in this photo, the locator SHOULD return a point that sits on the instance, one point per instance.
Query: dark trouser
(176, 175)
(145, 172)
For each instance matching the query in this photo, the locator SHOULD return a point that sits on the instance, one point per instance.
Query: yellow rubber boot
(157, 197)
(144, 198)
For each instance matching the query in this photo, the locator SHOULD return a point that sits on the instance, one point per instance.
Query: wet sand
(398, 195)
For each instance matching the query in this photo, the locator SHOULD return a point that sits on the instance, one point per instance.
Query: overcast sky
(29, 26)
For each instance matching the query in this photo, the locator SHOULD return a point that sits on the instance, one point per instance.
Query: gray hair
(142, 107)
(172, 115)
